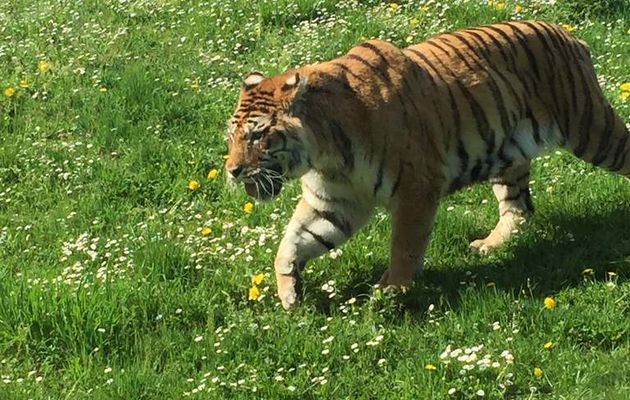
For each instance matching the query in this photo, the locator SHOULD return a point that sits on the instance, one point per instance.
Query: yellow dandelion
(213, 173)
(549, 345)
(254, 293)
(206, 230)
(568, 28)
(24, 84)
(500, 6)
(425, 8)
(413, 21)
(102, 89)
(550, 303)
(225, 157)
(625, 87)
(43, 66)
(9, 92)
(248, 207)
(430, 367)
(624, 95)
(193, 185)
(394, 6)
(257, 279)
(518, 8)
(538, 373)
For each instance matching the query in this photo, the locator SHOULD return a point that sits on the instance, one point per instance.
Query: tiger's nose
(236, 170)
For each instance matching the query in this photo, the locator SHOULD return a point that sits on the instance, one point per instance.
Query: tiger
(400, 129)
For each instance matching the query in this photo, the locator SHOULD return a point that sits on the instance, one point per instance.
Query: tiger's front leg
(312, 231)
(412, 222)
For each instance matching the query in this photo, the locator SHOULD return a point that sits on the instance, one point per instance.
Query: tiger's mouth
(263, 187)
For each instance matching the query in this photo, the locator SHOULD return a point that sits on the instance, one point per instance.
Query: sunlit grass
(130, 269)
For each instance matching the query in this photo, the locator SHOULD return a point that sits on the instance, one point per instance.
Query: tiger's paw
(484, 246)
(393, 284)
(288, 287)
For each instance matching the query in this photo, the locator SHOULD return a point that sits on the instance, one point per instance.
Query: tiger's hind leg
(511, 189)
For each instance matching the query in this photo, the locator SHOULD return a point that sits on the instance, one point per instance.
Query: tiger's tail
(608, 146)
(597, 134)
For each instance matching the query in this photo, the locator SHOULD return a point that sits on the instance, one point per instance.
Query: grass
(109, 290)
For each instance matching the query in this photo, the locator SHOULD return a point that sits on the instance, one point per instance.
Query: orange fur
(402, 128)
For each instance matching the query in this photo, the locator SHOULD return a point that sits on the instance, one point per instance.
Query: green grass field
(112, 287)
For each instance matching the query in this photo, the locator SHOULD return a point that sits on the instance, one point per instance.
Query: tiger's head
(267, 142)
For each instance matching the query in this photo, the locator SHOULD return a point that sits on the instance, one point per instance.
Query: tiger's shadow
(552, 254)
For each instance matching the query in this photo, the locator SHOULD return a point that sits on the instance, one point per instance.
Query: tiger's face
(267, 142)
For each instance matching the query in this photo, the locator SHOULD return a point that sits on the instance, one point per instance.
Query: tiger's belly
(472, 160)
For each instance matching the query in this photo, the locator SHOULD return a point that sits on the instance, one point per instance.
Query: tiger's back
(508, 90)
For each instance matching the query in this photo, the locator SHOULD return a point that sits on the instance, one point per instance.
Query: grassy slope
(103, 264)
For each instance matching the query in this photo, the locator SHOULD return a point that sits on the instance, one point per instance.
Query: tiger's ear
(252, 79)
(295, 86)
(295, 83)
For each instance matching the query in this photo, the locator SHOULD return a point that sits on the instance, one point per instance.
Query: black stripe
(363, 61)
(463, 157)
(555, 41)
(458, 182)
(343, 143)
(559, 41)
(508, 57)
(492, 84)
(385, 79)
(437, 110)
(618, 162)
(379, 174)
(454, 108)
(514, 53)
(603, 149)
(519, 148)
(397, 183)
(483, 125)
(286, 87)
(585, 125)
(488, 58)
(541, 38)
(343, 83)
(622, 161)
(505, 161)
(425, 75)
(265, 92)
(345, 69)
(376, 50)
(412, 100)
(535, 126)
(326, 199)
(528, 200)
(425, 72)
(475, 173)
(550, 57)
(339, 223)
(327, 244)
(513, 197)
(521, 37)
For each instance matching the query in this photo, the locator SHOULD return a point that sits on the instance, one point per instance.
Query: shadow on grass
(551, 255)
